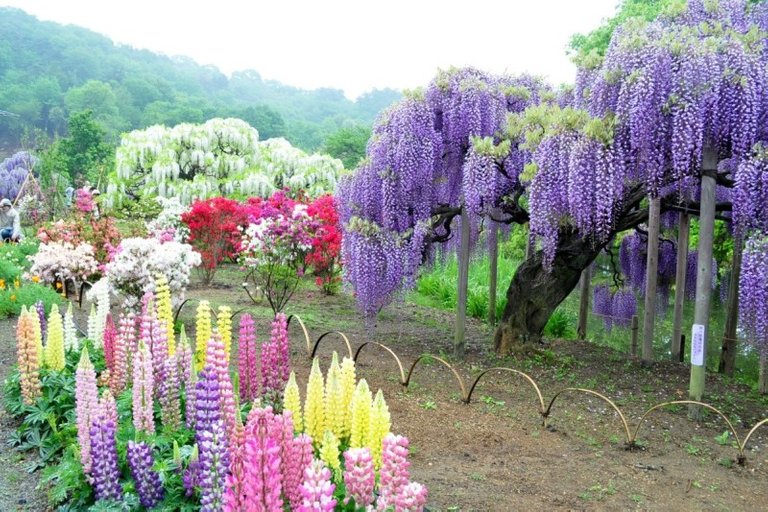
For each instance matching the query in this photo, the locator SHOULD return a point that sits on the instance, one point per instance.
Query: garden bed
(494, 454)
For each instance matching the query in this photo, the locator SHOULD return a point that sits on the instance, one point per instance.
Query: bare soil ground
(494, 453)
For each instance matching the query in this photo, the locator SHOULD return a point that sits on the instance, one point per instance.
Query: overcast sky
(354, 45)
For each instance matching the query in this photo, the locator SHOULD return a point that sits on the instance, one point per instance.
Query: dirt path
(18, 487)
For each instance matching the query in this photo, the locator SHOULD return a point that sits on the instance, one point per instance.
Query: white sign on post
(697, 345)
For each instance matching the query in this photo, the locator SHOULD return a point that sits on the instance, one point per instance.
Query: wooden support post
(586, 277)
(703, 281)
(651, 277)
(682, 265)
(635, 328)
(493, 256)
(762, 379)
(730, 343)
(461, 303)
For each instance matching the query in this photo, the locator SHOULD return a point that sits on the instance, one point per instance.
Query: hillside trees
(579, 167)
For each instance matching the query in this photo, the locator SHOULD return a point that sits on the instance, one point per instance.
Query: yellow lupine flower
(35, 279)
(165, 310)
(54, 343)
(38, 336)
(224, 328)
(202, 333)
(335, 406)
(329, 453)
(2, 284)
(348, 382)
(292, 402)
(361, 415)
(314, 421)
(380, 424)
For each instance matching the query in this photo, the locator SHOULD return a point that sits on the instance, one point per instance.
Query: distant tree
(100, 99)
(348, 144)
(84, 152)
(266, 120)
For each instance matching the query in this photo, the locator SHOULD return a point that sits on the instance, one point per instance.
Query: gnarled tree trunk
(534, 293)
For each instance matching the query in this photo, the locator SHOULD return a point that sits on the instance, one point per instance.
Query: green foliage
(437, 286)
(596, 41)
(560, 325)
(49, 71)
(348, 144)
(15, 291)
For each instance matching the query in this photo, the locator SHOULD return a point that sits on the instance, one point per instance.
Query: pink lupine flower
(297, 459)
(394, 469)
(86, 406)
(124, 345)
(412, 498)
(263, 481)
(143, 382)
(247, 359)
(107, 406)
(317, 489)
(275, 357)
(168, 394)
(110, 333)
(359, 476)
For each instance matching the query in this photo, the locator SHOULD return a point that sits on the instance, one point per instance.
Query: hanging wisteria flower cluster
(638, 124)
(13, 173)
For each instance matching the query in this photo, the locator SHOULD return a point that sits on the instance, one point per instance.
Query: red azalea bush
(326, 246)
(214, 231)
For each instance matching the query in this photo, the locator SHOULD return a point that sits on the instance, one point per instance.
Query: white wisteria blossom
(218, 157)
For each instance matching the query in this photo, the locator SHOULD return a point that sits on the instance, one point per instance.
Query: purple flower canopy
(13, 172)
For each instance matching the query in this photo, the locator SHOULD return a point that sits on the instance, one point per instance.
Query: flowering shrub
(214, 231)
(168, 225)
(326, 244)
(101, 234)
(274, 248)
(137, 261)
(61, 261)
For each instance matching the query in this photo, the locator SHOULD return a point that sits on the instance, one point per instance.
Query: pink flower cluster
(275, 357)
(247, 359)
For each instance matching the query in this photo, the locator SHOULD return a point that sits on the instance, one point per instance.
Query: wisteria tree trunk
(534, 293)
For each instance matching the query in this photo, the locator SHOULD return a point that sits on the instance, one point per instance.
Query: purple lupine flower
(148, 483)
(191, 476)
(105, 471)
(207, 400)
(168, 394)
(40, 308)
(214, 465)
(297, 459)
